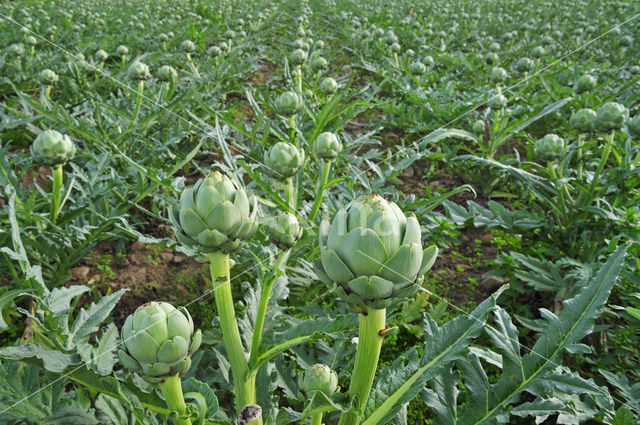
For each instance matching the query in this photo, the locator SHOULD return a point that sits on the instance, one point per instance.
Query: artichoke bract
(215, 215)
(284, 160)
(158, 341)
(53, 148)
(318, 377)
(284, 229)
(373, 252)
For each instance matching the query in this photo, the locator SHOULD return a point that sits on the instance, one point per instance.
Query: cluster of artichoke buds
(214, 215)
(158, 341)
(52, 148)
(318, 377)
(373, 253)
(284, 160)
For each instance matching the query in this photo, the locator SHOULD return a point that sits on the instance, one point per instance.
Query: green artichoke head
(101, 55)
(417, 68)
(139, 71)
(52, 148)
(327, 146)
(47, 77)
(634, 127)
(284, 160)
(328, 86)
(373, 252)
(611, 116)
(284, 229)
(549, 148)
(524, 65)
(478, 127)
(318, 377)
(586, 83)
(158, 341)
(167, 73)
(583, 120)
(214, 51)
(188, 46)
(498, 74)
(498, 101)
(214, 215)
(298, 57)
(319, 63)
(288, 103)
(122, 50)
(16, 50)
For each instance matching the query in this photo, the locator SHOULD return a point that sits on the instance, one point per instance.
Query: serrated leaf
(89, 320)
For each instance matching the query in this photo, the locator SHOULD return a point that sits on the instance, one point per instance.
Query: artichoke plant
(52, 148)
(318, 377)
(611, 116)
(373, 252)
(284, 160)
(158, 341)
(139, 71)
(214, 215)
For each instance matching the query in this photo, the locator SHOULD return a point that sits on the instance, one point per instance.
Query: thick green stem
(245, 392)
(299, 79)
(580, 144)
(265, 294)
(323, 178)
(193, 66)
(603, 161)
(316, 418)
(563, 203)
(172, 390)
(138, 103)
(56, 193)
(367, 354)
(292, 129)
(289, 193)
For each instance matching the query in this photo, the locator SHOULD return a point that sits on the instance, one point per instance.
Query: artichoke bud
(214, 215)
(611, 116)
(549, 148)
(101, 55)
(167, 73)
(328, 86)
(319, 63)
(214, 51)
(139, 71)
(158, 341)
(417, 68)
(284, 160)
(538, 52)
(428, 60)
(298, 57)
(498, 74)
(586, 83)
(47, 77)
(52, 148)
(284, 230)
(288, 103)
(188, 46)
(373, 252)
(122, 50)
(16, 50)
(318, 377)
(634, 126)
(498, 101)
(31, 41)
(478, 127)
(395, 47)
(583, 120)
(327, 146)
(524, 65)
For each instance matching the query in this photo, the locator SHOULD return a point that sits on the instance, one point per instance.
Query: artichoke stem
(292, 129)
(172, 391)
(245, 392)
(580, 144)
(316, 418)
(367, 354)
(290, 194)
(56, 192)
(139, 93)
(603, 161)
(299, 79)
(322, 181)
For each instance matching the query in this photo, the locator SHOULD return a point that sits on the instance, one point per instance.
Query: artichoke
(478, 127)
(47, 77)
(498, 101)
(498, 74)
(327, 146)
(319, 63)
(283, 160)
(31, 41)
(298, 57)
(284, 229)
(122, 50)
(139, 71)
(101, 55)
(188, 46)
(214, 215)
(634, 126)
(586, 83)
(524, 65)
(417, 68)
(52, 148)
(16, 50)
(549, 148)
(328, 86)
(583, 120)
(158, 341)
(373, 252)
(214, 51)
(167, 73)
(611, 116)
(538, 52)
(288, 103)
(318, 377)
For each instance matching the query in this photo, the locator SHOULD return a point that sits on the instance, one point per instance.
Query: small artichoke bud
(158, 341)
(549, 148)
(318, 377)
(139, 71)
(52, 148)
(327, 146)
(494, 47)
(428, 60)
(498, 74)
(298, 57)
(538, 52)
(229, 34)
(122, 50)
(626, 41)
(634, 126)
(224, 45)
(214, 215)
(283, 160)
(328, 86)
(410, 53)
(319, 45)
(188, 46)
(635, 70)
(585, 83)
(163, 38)
(16, 50)
(478, 127)
(524, 65)
(395, 47)
(284, 230)
(498, 101)
(167, 73)
(611, 116)
(319, 63)
(417, 68)
(47, 77)
(101, 55)
(298, 44)
(31, 41)
(491, 58)
(214, 51)
(583, 120)
(288, 103)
